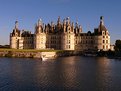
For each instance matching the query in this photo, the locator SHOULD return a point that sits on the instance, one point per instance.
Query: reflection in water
(65, 73)
(104, 74)
(69, 71)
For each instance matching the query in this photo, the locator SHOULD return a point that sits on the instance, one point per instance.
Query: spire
(16, 24)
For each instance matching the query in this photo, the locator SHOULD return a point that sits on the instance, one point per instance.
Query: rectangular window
(107, 47)
(103, 47)
(103, 41)
(66, 46)
(69, 41)
(69, 46)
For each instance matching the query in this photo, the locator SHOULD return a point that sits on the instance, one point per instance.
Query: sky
(87, 12)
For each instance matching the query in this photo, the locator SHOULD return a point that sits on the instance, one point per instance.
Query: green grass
(29, 50)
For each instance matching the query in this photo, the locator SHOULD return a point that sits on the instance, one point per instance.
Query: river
(73, 73)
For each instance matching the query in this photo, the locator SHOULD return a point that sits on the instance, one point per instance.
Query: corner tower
(14, 37)
(102, 36)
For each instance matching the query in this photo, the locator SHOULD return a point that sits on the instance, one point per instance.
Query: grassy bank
(29, 50)
(4, 52)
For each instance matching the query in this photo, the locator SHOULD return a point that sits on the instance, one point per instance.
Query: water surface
(62, 74)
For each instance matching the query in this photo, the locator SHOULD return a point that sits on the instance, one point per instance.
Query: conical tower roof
(102, 26)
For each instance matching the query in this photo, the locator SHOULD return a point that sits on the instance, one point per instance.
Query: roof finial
(16, 24)
(68, 20)
(102, 20)
(76, 22)
(40, 22)
(59, 20)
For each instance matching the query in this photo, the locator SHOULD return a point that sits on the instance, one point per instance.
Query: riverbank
(31, 53)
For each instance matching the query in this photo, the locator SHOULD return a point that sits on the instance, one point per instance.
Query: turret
(14, 36)
(102, 38)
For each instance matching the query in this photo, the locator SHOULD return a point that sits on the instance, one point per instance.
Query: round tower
(14, 36)
(40, 36)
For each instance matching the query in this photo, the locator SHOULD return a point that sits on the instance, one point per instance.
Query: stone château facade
(61, 36)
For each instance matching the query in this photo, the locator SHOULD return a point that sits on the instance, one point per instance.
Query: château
(64, 35)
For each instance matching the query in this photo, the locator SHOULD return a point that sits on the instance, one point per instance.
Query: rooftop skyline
(87, 12)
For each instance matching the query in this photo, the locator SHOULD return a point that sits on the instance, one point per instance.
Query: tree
(118, 45)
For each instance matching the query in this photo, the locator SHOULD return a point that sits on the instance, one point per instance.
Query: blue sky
(88, 12)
